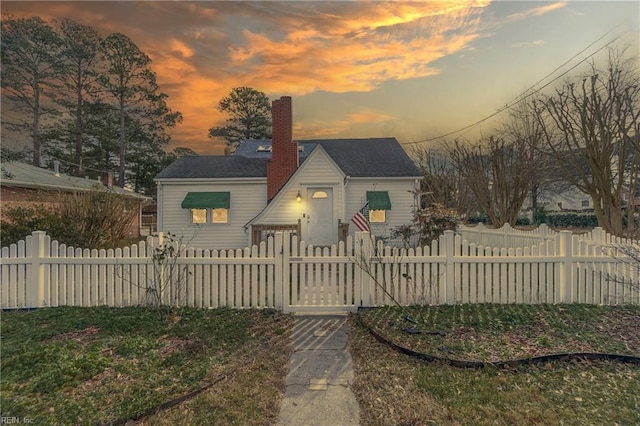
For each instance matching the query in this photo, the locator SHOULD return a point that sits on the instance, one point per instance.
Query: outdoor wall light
(298, 197)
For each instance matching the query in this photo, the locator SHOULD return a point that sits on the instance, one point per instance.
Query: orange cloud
(537, 11)
(357, 52)
(201, 50)
(180, 47)
(304, 129)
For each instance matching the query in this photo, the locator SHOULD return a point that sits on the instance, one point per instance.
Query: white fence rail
(287, 274)
(505, 237)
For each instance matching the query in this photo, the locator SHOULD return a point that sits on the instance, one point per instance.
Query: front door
(321, 229)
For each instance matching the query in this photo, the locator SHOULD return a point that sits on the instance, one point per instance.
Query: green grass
(396, 389)
(96, 365)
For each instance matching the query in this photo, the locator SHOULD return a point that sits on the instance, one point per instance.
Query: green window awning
(206, 200)
(379, 200)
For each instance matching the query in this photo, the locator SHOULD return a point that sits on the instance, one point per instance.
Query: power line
(524, 95)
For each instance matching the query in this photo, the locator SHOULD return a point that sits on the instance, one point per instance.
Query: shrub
(95, 220)
(428, 224)
(572, 220)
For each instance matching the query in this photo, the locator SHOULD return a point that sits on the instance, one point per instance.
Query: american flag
(361, 219)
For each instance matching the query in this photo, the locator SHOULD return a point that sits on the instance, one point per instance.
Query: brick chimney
(284, 151)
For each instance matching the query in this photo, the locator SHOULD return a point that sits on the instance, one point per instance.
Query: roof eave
(185, 180)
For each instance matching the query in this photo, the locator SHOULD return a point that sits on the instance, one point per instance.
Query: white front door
(321, 229)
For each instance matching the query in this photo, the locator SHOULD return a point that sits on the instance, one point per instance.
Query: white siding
(401, 196)
(570, 199)
(247, 200)
(317, 171)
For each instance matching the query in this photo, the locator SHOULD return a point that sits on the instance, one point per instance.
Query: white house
(311, 187)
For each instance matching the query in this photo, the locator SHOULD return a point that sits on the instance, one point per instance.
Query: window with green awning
(379, 200)
(206, 200)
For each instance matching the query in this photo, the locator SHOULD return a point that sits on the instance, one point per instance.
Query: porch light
(298, 197)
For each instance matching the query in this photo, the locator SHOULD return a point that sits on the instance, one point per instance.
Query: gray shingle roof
(383, 157)
(214, 166)
(374, 157)
(24, 175)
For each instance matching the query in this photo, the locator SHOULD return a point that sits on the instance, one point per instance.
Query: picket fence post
(279, 285)
(35, 270)
(449, 268)
(564, 293)
(364, 293)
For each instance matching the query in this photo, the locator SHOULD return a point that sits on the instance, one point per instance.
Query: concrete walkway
(320, 373)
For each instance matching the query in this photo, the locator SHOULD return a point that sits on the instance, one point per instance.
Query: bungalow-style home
(22, 183)
(313, 188)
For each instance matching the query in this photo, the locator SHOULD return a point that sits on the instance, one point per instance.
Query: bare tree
(589, 128)
(441, 184)
(498, 173)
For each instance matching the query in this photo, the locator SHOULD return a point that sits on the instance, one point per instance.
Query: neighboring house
(568, 200)
(311, 187)
(22, 183)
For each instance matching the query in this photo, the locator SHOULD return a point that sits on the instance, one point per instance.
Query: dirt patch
(171, 345)
(82, 337)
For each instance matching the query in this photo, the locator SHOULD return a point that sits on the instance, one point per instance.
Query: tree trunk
(35, 129)
(609, 214)
(122, 146)
(79, 128)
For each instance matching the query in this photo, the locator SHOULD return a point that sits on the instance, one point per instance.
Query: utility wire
(527, 93)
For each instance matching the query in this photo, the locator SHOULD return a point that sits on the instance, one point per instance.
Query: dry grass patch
(394, 389)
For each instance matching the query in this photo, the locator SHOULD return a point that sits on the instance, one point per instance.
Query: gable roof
(22, 175)
(375, 157)
(319, 152)
(371, 157)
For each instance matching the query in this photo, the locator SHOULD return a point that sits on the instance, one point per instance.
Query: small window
(377, 216)
(585, 203)
(219, 215)
(379, 203)
(198, 215)
(320, 194)
(208, 207)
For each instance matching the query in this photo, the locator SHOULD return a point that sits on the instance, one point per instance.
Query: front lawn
(100, 365)
(393, 388)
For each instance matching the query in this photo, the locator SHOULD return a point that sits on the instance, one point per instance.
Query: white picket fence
(506, 236)
(286, 274)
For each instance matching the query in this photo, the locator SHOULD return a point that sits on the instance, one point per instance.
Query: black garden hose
(460, 363)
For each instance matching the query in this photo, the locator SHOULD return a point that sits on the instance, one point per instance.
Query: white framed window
(198, 215)
(377, 216)
(379, 203)
(208, 207)
(219, 215)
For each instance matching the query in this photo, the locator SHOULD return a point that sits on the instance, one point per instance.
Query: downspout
(160, 208)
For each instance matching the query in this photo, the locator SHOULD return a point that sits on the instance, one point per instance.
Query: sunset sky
(355, 69)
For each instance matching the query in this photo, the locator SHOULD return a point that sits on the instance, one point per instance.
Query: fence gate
(320, 279)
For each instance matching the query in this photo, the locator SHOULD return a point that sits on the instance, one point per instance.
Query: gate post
(281, 254)
(362, 249)
(35, 270)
